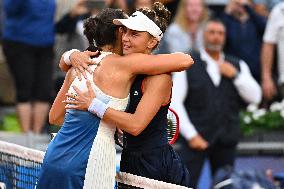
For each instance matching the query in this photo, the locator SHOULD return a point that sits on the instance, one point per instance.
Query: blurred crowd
(30, 29)
(34, 34)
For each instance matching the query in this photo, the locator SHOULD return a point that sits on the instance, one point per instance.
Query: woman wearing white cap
(75, 158)
(146, 152)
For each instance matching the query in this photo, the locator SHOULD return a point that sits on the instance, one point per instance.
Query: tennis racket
(173, 126)
(172, 129)
(119, 137)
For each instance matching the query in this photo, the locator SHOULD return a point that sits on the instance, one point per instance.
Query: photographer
(72, 22)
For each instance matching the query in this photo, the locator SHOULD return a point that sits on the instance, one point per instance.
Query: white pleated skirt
(101, 167)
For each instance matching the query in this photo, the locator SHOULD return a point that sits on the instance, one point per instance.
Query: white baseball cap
(140, 22)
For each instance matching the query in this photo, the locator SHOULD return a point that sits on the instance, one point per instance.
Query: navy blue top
(149, 154)
(155, 134)
(244, 40)
(29, 21)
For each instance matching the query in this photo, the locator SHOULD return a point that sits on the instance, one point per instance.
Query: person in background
(28, 39)
(7, 89)
(245, 29)
(208, 98)
(72, 22)
(172, 6)
(70, 27)
(117, 4)
(185, 33)
(273, 37)
(133, 5)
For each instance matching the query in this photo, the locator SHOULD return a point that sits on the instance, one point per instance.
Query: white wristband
(98, 107)
(67, 55)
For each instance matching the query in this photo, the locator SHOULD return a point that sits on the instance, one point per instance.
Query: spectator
(244, 33)
(185, 33)
(171, 6)
(208, 98)
(28, 39)
(72, 22)
(117, 4)
(133, 5)
(274, 36)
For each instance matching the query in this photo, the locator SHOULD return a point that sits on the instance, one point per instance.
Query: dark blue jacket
(244, 40)
(29, 21)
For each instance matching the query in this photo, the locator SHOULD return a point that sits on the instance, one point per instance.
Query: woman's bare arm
(57, 111)
(157, 92)
(134, 64)
(62, 65)
(154, 64)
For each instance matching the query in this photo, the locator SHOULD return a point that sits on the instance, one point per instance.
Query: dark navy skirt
(161, 163)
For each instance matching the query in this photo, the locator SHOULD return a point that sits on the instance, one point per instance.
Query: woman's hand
(81, 61)
(82, 100)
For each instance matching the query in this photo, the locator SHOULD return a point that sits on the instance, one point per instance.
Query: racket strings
(172, 126)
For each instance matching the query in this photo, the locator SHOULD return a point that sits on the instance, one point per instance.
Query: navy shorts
(31, 68)
(161, 163)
